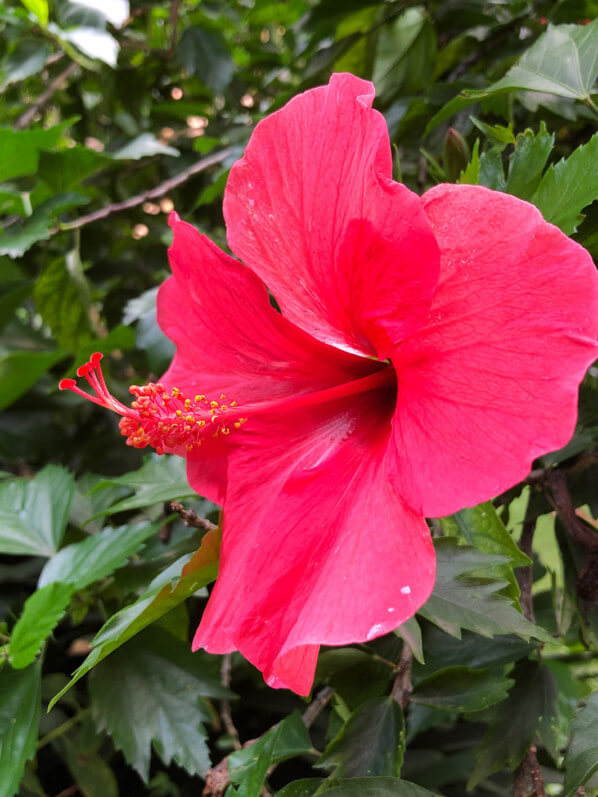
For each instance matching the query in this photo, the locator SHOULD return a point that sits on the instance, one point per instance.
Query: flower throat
(166, 420)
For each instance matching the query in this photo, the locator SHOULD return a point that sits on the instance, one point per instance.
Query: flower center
(165, 419)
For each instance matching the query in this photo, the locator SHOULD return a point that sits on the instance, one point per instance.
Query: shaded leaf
(205, 54)
(20, 370)
(19, 149)
(410, 632)
(161, 596)
(20, 708)
(144, 146)
(60, 303)
(377, 787)
(40, 225)
(371, 742)
(28, 58)
(149, 692)
(64, 170)
(581, 761)
(528, 161)
(461, 689)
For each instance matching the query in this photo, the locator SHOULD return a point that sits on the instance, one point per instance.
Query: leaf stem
(62, 729)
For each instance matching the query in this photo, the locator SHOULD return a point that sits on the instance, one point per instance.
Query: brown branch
(225, 709)
(145, 196)
(174, 19)
(402, 687)
(524, 574)
(538, 476)
(529, 772)
(319, 702)
(25, 119)
(191, 518)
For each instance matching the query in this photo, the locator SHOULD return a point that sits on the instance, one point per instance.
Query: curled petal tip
(173, 218)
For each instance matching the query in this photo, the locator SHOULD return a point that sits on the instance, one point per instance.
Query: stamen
(166, 421)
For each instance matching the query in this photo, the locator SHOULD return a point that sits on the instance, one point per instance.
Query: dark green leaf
(41, 613)
(34, 512)
(19, 149)
(59, 301)
(460, 600)
(581, 761)
(20, 370)
(148, 693)
(528, 161)
(98, 556)
(370, 743)
(410, 632)
(20, 706)
(461, 689)
(377, 787)
(529, 709)
(91, 773)
(28, 58)
(66, 169)
(569, 186)
(205, 54)
(161, 596)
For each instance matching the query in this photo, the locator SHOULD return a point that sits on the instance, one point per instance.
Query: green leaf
(377, 787)
(20, 370)
(528, 161)
(481, 527)
(40, 225)
(91, 773)
(10, 298)
(28, 58)
(471, 174)
(150, 692)
(58, 298)
(39, 8)
(205, 54)
(410, 632)
(249, 767)
(461, 689)
(461, 600)
(529, 709)
(98, 556)
(405, 53)
(160, 479)
(35, 511)
(497, 134)
(20, 707)
(370, 743)
(19, 149)
(161, 596)
(91, 42)
(305, 787)
(66, 169)
(569, 186)
(144, 146)
(581, 761)
(41, 613)
(563, 62)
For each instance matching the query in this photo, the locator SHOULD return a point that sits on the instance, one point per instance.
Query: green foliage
(107, 108)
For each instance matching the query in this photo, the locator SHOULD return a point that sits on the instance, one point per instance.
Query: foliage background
(113, 114)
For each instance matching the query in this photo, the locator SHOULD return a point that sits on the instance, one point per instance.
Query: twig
(538, 476)
(174, 18)
(529, 769)
(402, 687)
(191, 518)
(59, 731)
(153, 193)
(68, 791)
(225, 710)
(25, 119)
(319, 702)
(524, 574)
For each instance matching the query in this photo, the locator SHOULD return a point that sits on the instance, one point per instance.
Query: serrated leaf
(569, 186)
(35, 512)
(529, 709)
(149, 693)
(563, 62)
(249, 767)
(471, 174)
(98, 556)
(460, 600)
(370, 743)
(528, 161)
(461, 689)
(160, 479)
(481, 527)
(42, 612)
(581, 761)
(161, 596)
(20, 708)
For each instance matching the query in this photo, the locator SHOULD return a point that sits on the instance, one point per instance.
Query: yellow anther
(223, 407)
(237, 425)
(189, 447)
(187, 403)
(200, 423)
(190, 418)
(179, 413)
(233, 403)
(225, 430)
(213, 403)
(222, 397)
(212, 412)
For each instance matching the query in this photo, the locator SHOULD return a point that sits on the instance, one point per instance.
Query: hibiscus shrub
(366, 500)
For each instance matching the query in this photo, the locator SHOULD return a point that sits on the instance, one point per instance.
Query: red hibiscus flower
(427, 350)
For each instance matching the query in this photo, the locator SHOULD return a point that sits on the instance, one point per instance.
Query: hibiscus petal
(231, 341)
(318, 548)
(312, 209)
(491, 381)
